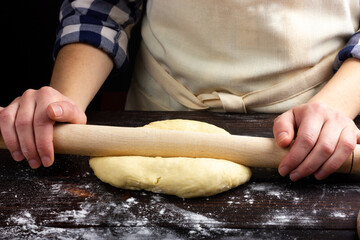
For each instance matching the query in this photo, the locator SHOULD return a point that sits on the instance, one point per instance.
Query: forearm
(79, 72)
(342, 92)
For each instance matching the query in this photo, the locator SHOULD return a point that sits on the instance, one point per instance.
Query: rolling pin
(97, 140)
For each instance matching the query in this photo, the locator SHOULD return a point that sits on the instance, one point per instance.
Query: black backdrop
(28, 35)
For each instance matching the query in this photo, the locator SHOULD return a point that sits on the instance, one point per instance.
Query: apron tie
(228, 102)
(221, 100)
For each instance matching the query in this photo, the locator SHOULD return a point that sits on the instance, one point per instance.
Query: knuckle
(318, 107)
(6, 116)
(42, 147)
(308, 169)
(26, 152)
(11, 143)
(29, 153)
(348, 145)
(326, 149)
(294, 160)
(28, 93)
(46, 90)
(278, 119)
(42, 121)
(333, 166)
(22, 123)
(307, 140)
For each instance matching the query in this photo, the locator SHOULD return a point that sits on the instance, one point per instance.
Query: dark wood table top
(66, 201)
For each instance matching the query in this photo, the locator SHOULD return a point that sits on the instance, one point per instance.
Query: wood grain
(68, 201)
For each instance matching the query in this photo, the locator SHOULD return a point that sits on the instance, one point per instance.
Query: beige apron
(237, 56)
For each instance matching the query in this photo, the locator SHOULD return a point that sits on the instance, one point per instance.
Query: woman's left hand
(324, 140)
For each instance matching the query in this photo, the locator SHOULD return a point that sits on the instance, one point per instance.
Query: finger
(65, 111)
(43, 131)
(322, 151)
(306, 139)
(344, 149)
(24, 130)
(284, 129)
(8, 132)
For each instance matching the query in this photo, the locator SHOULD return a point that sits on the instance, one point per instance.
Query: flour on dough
(180, 176)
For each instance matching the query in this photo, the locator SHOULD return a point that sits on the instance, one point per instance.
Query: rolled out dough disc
(183, 177)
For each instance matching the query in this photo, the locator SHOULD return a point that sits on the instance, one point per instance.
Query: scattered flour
(134, 218)
(339, 214)
(283, 203)
(123, 213)
(23, 219)
(283, 217)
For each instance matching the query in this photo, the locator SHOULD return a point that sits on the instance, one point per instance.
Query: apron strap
(230, 102)
(168, 83)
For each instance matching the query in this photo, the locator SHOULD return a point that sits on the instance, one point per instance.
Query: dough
(183, 177)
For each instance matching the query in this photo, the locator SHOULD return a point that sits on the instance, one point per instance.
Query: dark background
(28, 36)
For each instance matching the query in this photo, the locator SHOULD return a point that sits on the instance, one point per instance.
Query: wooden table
(66, 201)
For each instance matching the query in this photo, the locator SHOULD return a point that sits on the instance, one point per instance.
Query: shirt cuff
(351, 50)
(112, 42)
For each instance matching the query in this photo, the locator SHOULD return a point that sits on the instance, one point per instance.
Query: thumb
(284, 129)
(65, 111)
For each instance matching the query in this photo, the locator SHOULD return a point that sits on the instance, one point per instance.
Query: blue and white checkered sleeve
(104, 24)
(352, 49)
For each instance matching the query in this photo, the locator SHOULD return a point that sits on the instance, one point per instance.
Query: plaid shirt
(106, 24)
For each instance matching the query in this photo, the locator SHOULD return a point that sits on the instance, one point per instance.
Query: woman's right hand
(27, 124)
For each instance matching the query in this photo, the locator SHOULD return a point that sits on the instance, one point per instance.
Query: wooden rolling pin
(96, 140)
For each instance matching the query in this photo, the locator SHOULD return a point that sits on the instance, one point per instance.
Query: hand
(324, 140)
(27, 124)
